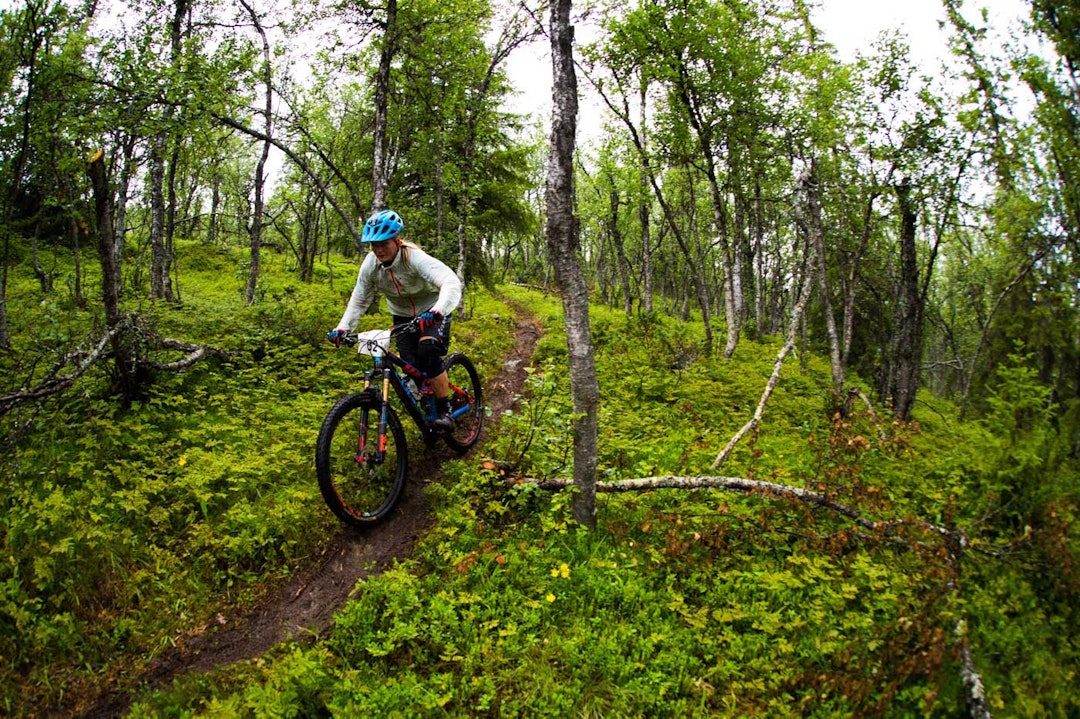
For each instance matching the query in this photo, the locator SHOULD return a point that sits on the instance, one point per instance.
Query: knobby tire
(359, 491)
(463, 375)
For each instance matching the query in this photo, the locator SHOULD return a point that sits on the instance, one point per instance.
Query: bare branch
(955, 539)
(54, 384)
(793, 333)
(195, 353)
(976, 695)
(299, 162)
(180, 364)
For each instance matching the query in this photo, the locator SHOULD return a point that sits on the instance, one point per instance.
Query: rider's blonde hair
(403, 247)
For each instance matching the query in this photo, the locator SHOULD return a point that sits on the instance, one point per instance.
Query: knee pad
(429, 357)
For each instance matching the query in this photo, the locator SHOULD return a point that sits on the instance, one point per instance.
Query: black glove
(431, 318)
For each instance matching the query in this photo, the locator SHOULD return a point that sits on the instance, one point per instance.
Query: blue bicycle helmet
(382, 226)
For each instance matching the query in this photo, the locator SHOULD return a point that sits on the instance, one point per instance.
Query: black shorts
(435, 341)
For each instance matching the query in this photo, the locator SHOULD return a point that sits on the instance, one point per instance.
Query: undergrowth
(124, 530)
(688, 603)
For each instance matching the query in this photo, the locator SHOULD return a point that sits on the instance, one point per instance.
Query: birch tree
(562, 242)
(387, 50)
(258, 208)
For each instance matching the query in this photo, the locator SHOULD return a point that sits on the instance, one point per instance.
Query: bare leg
(440, 385)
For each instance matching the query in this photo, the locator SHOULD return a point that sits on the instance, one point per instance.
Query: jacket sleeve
(436, 272)
(363, 294)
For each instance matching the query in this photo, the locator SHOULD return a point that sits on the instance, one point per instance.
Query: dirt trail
(304, 605)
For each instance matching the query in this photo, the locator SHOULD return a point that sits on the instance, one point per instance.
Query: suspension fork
(384, 413)
(361, 439)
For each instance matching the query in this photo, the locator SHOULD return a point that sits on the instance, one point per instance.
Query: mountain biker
(416, 285)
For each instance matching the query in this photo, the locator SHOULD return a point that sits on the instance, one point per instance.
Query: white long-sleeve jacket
(415, 282)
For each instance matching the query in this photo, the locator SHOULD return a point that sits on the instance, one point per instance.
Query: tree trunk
(508, 40)
(906, 350)
(126, 379)
(19, 167)
(739, 252)
(816, 236)
(73, 225)
(80, 301)
(731, 267)
(309, 233)
(379, 178)
(5, 336)
(649, 179)
(853, 278)
(256, 233)
(157, 217)
(215, 205)
(440, 193)
(759, 259)
(106, 239)
(620, 253)
(643, 210)
(792, 337)
(170, 222)
(462, 240)
(598, 270)
(694, 270)
(120, 216)
(562, 242)
(345, 217)
(160, 283)
(258, 211)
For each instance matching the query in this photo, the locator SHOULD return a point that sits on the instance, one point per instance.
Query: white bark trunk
(562, 247)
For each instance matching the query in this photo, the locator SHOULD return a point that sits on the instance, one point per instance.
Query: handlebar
(351, 339)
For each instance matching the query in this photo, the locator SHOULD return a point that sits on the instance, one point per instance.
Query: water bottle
(410, 385)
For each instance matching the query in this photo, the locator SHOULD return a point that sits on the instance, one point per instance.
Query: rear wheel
(360, 484)
(466, 402)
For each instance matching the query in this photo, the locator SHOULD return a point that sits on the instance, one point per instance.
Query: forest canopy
(181, 183)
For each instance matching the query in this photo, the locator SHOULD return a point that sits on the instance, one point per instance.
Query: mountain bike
(361, 457)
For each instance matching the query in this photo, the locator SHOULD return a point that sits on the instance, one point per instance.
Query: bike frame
(386, 365)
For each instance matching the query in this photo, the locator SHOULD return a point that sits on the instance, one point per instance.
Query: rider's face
(386, 250)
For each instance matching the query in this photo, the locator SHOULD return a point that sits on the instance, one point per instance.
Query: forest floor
(304, 605)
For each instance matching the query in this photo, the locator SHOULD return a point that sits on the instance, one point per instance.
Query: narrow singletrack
(303, 607)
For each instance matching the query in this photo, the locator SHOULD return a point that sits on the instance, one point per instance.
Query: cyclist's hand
(430, 318)
(336, 336)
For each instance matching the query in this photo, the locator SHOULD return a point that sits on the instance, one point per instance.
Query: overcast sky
(850, 25)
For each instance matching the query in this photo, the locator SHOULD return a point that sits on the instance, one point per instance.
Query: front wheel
(360, 481)
(466, 402)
